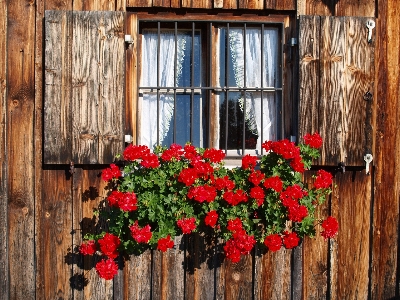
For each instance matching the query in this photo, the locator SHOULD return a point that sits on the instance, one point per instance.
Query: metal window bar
(226, 84)
(158, 79)
(244, 93)
(192, 84)
(262, 85)
(175, 78)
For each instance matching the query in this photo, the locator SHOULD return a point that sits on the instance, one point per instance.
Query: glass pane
(271, 58)
(199, 121)
(185, 55)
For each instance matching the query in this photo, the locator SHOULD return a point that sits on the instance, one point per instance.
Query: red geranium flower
(202, 193)
(214, 155)
(133, 152)
(290, 240)
(114, 198)
(323, 180)
(175, 151)
(273, 242)
(128, 202)
(188, 176)
(274, 183)
(235, 225)
(297, 212)
(256, 177)
(249, 162)
(258, 194)
(211, 218)
(224, 183)
(187, 225)
(110, 173)
(165, 243)
(109, 245)
(141, 235)
(314, 141)
(88, 248)
(107, 269)
(150, 160)
(331, 227)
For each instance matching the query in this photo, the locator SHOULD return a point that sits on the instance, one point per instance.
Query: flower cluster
(159, 194)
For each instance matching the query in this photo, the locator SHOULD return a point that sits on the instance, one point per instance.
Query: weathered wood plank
(353, 211)
(331, 100)
(358, 80)
(315, 257)
(95, 5)
(97, 81)
(226, 4)
(309, 55)
(139, 3)
(20, 37)
(272, 275)
(361, 8)
(55, 235)
(168, 272)
(4, 267)
(237, 278)
(285, 5)
(197, 3)
(57, 107)
(137, 277)
(161, 3)
(131, 95)
(384, 279)
(251, 4)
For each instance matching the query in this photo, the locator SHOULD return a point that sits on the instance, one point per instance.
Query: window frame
(280, 21)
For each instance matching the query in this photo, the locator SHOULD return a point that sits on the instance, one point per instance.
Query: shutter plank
(251, 4)
(97, 81)
(57, 108)
(139, 3)
(197, 3)
(309, 73)
(138, 270)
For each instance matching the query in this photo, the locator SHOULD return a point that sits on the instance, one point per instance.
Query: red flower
(141, 235)
(175, 151)
(273, 242)
(88, 248)
(214, 155)
(133, 152)
(107, 269)
(292, 193)
(150, 160)
(285, 148)
(231, 251)
(109, 245)
(224, 183)
(331, 227)
(257, 193)
(256, 177)
(165, 243)
(240, 243)
(128, 202)
(323, 180)
(110, 173)
(114, 198)
(235, 225)
(202, 193)
(190, 151)
(297, 212)
(235, 198)
(203, 169)
(314, 141)
(211, 218)
(290, 240)
(188, 176)
(297, 164)
(274, 183)
(249, 162)
(187, 225)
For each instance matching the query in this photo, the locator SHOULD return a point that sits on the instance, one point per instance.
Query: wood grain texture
(131, 92)
(196, 3)
(97, 84)
(273, 275)
(361, 8)
(332, 90)
(284, 4)
(20, 37)
(57, 106)
(251, 4)
(139, 3)
(55, 237)
(385, 252)
(4, 263)
(237, 278)
(137, 277)
(315, 257)
(351, 205)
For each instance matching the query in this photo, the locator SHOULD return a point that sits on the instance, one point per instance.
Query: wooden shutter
(336, 73)
(84, 86)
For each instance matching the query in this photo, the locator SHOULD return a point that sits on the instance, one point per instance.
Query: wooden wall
(44, 209)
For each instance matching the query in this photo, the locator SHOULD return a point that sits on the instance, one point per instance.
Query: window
(215, 84)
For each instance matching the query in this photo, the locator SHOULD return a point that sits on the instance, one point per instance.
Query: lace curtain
(167, 79)
(255, 111)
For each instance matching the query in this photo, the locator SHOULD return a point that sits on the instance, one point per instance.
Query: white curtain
(255, 111)
(166, 73)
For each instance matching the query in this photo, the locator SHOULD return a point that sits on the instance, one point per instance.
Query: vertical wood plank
(137, 277)
(20, 37)
(131, 92)
(385, 251)
(161, 3)
(55, 234)
(353, 211)
(331, 102)
(309, 56)
(361, 8)
(315, 257)
(359, 79)
(272, 275)
(139, 3)
(97, 83)
(4, 267)
(238, 278)
(57, 107)
(197, 3)
(168, 272)
(286, 5)
(251, 4)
